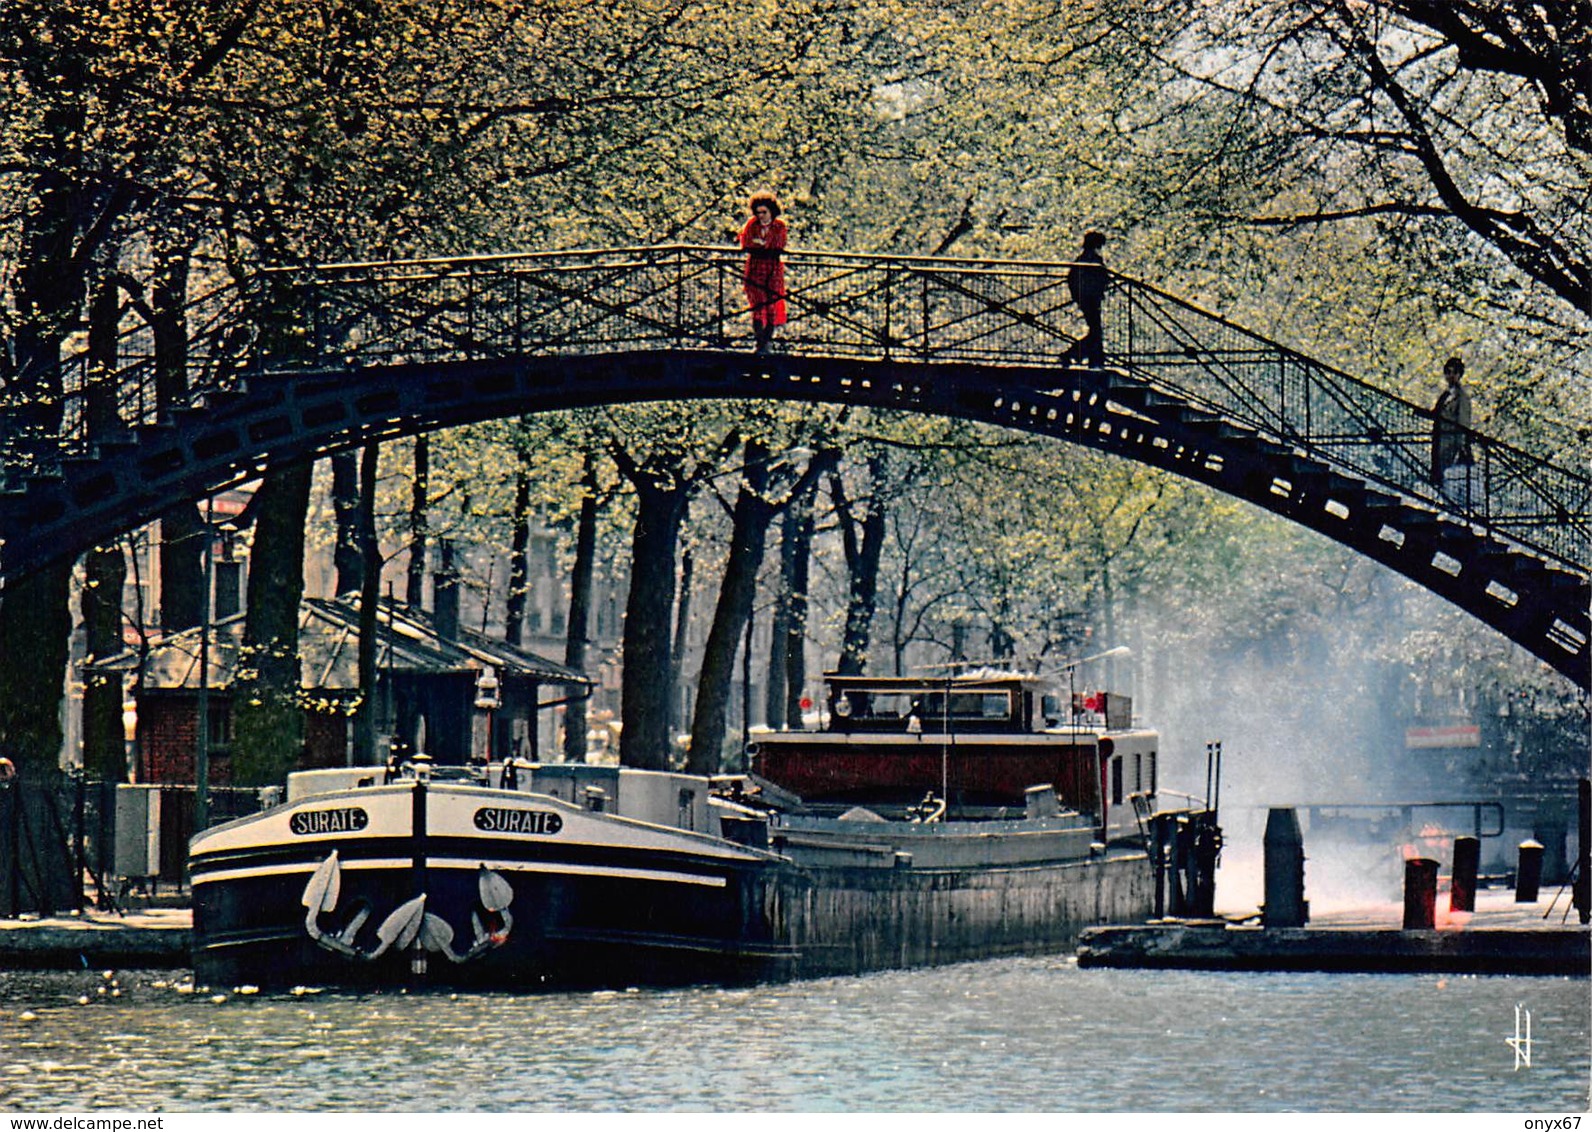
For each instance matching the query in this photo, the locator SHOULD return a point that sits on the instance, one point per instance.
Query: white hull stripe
(471, 864)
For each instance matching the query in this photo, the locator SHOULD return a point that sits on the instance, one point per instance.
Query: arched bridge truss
(304, 362)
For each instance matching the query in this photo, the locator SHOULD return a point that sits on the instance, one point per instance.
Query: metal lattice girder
(302, 362)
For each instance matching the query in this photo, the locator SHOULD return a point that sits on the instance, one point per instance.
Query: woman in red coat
(763, 239)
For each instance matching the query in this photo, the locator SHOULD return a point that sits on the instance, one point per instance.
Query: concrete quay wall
(155, 939)
(1498, 951)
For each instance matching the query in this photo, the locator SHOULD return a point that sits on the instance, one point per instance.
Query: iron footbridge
(302, 362)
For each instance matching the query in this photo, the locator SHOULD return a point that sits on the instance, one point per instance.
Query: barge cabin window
(886, 708)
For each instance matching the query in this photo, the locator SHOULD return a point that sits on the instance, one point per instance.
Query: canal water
(1033, 1034)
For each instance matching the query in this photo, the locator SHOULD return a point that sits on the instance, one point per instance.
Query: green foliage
(1245, 152)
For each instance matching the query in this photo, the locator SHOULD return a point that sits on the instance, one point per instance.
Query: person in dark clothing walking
(1088, 281)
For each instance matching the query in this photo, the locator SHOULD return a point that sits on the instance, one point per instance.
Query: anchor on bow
(490, 919)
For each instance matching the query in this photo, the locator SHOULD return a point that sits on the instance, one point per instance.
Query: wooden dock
(1499, 938)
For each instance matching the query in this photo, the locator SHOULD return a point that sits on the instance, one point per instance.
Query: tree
(767, 486)
(861, 519)
(1439, 147)
(664, 458)
(1447, 91)
(268, 722)
(47, 292)
(787, 666)
(1245, 149)
(183, 596)
(370, 562)
(577, 628)
(347, 547)
(519, 545)
(419, 524)
(104, 575)
(752, 513)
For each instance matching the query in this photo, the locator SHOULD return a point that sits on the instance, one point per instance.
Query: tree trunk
(862, 537)
(181, 567)
(519, 567)
(752, 515)
(35, 617)
(774, 697)
(580, 581)
(182, 533)
(49, 287)
(268, 718)
(682, 633)
(644, 700)
(799, 559)
(104, 568)
(104, 746)
(104, 320)
(347, 503)
(369, 597)
(415, 593)
(168, 300)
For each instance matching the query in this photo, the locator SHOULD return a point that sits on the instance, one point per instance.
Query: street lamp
(201, 805)
(130, 733)
(487, 700)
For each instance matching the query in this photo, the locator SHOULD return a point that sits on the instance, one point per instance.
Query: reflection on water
(1005, 1035)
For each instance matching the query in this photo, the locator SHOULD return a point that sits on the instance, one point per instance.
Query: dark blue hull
(585, 932)
(551, 897)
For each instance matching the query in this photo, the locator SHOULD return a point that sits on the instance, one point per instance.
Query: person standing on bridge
(1451, 455)
(1088, 282)
(763, 239)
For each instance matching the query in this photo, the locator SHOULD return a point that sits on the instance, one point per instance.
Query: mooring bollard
(1284, 851)
(1467, 860)
(1420, 894)
(1528, 873)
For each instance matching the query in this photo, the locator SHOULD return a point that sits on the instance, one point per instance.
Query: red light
(807, 703)
(1094, 701)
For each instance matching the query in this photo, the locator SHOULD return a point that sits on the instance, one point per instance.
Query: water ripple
(1007, 1035)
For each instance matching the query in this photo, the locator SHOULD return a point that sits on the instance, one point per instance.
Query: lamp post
(130, 738)
(201, 804)
(487, 700)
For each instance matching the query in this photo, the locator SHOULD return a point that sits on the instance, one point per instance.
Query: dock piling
(1528, 873)
(1420, 894)
(1284, 850)
(1467, 861)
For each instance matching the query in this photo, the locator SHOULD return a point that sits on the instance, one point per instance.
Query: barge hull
(772, 923)
(847, 921)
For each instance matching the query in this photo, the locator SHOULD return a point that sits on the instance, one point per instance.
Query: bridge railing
(92, 396)
(909, 309)
(1379, 437)
(670, 298)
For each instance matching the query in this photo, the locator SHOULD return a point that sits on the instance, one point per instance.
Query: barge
(927, 821)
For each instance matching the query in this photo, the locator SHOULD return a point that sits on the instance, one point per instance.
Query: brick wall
(168, 734)
(325, 739)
